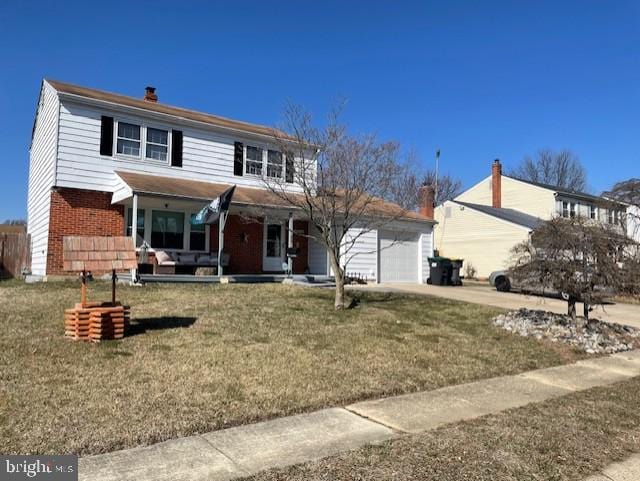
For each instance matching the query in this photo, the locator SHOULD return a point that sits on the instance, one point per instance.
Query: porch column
(221, 222)
(290, 243)
(134, 232)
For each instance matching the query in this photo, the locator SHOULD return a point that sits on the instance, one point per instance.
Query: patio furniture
(96, 321)
(186, 262)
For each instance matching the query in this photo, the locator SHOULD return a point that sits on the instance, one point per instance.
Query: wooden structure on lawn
(97, 321)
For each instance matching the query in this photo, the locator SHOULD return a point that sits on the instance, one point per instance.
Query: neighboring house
(100, 160)
(486, 221)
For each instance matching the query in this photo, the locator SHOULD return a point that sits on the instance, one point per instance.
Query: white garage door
(398, 257)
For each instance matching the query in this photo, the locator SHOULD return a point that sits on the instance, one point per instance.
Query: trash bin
(456, 265)
(439, 271)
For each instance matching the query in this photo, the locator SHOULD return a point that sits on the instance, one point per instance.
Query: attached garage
(399, 256)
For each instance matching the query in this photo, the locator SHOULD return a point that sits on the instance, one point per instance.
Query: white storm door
(274, 247)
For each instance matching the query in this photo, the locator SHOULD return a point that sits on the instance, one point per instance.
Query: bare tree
(342, 183)
(561, 169)
(15, 222)
(582, 259)
(628, 191)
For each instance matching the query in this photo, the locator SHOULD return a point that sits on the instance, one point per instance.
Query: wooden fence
(15, 254)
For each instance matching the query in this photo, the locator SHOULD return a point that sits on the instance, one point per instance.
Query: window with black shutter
(290, 168)
(176, 148)
(238, 158)
(106, 135)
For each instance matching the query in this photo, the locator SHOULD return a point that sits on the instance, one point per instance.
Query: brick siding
(80, 212)
(243, 241)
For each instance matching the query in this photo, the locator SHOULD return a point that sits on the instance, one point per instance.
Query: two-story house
(486, 221)
(107, 164)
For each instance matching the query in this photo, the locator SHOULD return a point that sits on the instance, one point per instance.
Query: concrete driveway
(628, 314)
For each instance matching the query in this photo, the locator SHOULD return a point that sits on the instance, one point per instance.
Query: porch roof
(155, 185)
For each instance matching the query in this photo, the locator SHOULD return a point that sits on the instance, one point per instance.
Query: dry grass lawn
(564, 439)
(205, 357)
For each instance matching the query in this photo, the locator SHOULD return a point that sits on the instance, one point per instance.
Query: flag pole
(435, 189)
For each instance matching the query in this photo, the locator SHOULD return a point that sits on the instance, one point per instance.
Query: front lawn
(205, 357)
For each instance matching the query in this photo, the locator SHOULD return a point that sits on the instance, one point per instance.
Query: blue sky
(478, 80)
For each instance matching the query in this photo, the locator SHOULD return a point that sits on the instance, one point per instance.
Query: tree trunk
(586, 310)
(338, 275)
(571, 308)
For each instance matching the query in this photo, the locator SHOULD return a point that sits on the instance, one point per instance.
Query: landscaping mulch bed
(592, 336)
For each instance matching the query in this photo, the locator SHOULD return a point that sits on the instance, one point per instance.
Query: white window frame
(117, 137)
(246, 160)
(146, 142)
(142, 156)
(563, 209)
(282, 165)
(593, 212)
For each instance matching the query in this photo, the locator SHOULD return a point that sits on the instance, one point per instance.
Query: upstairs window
(157, 144)
(274, 164)
(128, 142)
(253, 164)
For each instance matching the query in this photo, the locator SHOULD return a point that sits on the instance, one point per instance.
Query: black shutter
(176, 148)
(290, 169)
(106, 135)
(238, 158)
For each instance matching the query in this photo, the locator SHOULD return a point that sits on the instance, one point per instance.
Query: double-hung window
(253, 164)
(128, 140)
(157, 145)
(565, 209)
(593, 212)
(274, 164)
(572, 209)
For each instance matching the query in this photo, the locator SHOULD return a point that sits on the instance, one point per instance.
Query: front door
(273, 248)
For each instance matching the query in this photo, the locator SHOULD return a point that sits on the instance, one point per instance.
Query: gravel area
(592, 336)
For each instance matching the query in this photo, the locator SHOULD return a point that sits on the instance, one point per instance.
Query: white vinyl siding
(480, 239)
(42, 157)
(426, 251)
(362, 258)
(207, 154)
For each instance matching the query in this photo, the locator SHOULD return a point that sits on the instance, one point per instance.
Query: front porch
(257, 239)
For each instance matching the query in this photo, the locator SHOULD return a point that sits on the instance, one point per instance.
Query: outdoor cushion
(187, 259)
(204, 259)
(162, 257)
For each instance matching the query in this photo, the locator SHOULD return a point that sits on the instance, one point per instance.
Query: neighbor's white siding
(207, 155)
(42, 157)
(362, 257)
(480, 239)
(521, 196)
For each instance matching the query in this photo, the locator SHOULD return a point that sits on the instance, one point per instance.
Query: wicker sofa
(186, 262)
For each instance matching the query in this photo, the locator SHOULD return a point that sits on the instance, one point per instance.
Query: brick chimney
(496, 183)
(426, 197)
(150, 94)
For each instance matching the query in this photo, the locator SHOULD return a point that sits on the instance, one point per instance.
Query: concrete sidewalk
(628, 470)
(628, 314)
(246, 450)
